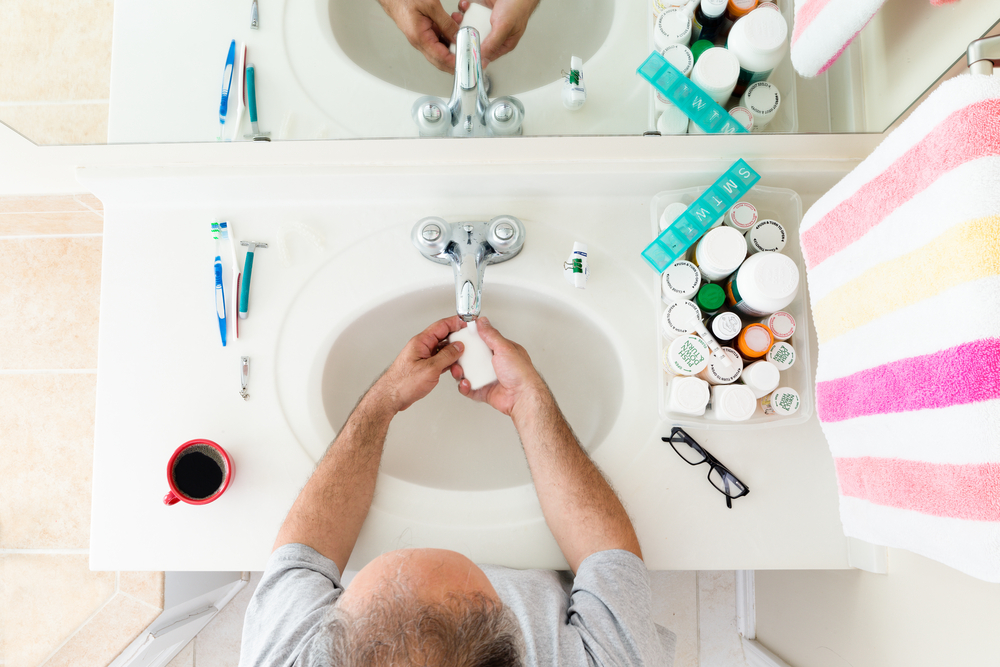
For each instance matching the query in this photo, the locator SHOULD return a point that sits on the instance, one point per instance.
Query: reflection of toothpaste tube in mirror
(574, 92)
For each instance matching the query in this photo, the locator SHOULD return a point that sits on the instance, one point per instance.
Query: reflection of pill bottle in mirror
(687, 396)
(781, 324)
(759, 40)
(761, 377)
(742, 216)
(765, 283)
(687, 355)
(672, 121)
(763, 100)
(671, 213)
(679, 55)
(782, 401)
(718, 373)
(781, 355)
(754, 341)
(672, 26)
(766, 236)
(720, 252)
(716, 72)
(708, 18)
(725, 326)
(679, 282)
(710, 299)
(679, 319)
(732, 402)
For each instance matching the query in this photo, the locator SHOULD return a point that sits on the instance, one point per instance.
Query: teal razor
(247, 270)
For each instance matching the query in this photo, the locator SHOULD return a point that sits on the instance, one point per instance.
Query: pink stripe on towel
(966, 135)
(805, 15)
(958, 491)
(956, 376)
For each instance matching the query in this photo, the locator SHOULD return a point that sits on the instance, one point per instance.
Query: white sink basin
(450, 462)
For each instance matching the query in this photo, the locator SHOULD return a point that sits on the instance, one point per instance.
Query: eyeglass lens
(725, 482)
(691, 453)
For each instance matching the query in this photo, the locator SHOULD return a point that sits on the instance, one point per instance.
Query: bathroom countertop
(163, 377)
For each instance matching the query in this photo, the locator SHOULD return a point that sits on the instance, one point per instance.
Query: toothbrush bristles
(223, 229)
(215, 231)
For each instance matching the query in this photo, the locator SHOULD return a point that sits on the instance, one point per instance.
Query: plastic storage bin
(785, 207)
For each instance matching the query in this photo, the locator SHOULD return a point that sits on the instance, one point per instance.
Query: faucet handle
(431, 235)
(504, 116)
(506, 234)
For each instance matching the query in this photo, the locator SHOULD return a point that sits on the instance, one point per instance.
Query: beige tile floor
(53, 610)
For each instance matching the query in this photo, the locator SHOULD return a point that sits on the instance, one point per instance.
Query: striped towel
(903, 267)
(828, 27)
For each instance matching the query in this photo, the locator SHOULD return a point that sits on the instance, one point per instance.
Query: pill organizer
(688, 96)
(784, 206)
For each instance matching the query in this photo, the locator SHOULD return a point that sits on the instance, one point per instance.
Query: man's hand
(416, 370)
(425, 23)
(517, 380)
(509, 21)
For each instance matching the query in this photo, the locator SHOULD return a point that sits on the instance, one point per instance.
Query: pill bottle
(687, 355)
(680, 282)
(759, 41)
(672, 120)
(671, 213)
(782, 401)
(718, 373)
(781, 324)
(720, 252)
(716, 72)
(672, 26)
(737, 9)
(763, 100)
(710, 299)
(732, 402)
(766, 236)
(708, 18)
(680, 57)
(699, 48)
(679, 319)
(754, 341)
(781, 355)
(761, 377)
(765, 283)
(742, 216)
(743, 117)
(687, 396)
(725, 326)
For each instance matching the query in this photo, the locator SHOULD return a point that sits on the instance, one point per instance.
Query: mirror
(342, 69)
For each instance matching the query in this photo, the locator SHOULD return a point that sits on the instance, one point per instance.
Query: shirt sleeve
(611, 608)
(288, 607)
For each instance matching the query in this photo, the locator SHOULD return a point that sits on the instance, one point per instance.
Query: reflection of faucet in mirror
(469, 247)
(469, 112)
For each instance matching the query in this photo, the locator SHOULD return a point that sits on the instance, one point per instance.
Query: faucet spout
(469, 100)
(469, 266)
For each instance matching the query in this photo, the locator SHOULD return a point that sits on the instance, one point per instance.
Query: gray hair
(397, 629)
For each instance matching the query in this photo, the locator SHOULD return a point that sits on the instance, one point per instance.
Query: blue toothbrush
(247, 270)
(220, 293)
(227, 81)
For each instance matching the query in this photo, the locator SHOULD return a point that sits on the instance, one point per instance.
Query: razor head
(253, 243)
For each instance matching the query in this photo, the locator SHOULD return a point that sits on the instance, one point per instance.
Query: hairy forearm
(580, 507)
(331, 508)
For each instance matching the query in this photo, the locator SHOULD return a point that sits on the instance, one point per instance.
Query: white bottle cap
(767, 31)
(679, 319)
(782, 355)
(688, 355)
(742, 216)
(688, 396)
(733, 402)
(717, 373)
(783, 401)
(766, 283)
(761, 377)
(766, 236)
(680, 282)
(713, 8)
(672, 26)
(762, 99)
(720, 252)
(671, 213)
(680, 56)
(743, 117)
(716, 72)
(726, 326)
(781, 324)
(672, 121)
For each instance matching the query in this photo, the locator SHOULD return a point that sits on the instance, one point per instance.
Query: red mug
(198, 473)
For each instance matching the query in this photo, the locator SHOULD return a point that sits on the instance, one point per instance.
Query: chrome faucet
(469, 247)
(469, 112)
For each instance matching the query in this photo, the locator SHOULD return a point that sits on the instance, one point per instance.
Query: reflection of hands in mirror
(508, 23)
(428, 27)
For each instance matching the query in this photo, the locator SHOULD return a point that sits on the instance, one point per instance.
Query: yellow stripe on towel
(968, 251)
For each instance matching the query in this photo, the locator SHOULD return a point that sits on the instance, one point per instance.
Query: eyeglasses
(726, 482)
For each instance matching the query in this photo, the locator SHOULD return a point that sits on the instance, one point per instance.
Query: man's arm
(332, 506)
(580, 507)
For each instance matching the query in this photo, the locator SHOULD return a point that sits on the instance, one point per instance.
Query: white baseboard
(758, 656)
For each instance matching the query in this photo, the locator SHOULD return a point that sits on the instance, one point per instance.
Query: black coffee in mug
(198, 475)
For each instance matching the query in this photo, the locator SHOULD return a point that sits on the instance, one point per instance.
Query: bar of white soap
(477, 358)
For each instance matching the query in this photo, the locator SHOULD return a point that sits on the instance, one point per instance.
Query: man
(432, 607)
(430, 29)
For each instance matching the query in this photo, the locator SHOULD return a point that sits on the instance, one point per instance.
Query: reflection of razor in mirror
(253, 15)
(251, 93)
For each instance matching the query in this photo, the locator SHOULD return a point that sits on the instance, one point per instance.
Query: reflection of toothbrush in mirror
(241, 93)
(227, 80)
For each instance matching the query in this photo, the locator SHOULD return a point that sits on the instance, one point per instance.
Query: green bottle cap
(711, 297)
(700, 47)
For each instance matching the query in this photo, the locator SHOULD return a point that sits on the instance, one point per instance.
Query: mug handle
(170, 498)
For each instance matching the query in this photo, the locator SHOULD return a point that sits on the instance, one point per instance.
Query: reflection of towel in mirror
(824, 28)
(903, 262)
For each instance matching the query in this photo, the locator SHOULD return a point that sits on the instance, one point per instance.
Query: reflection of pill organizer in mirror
(786, 120)
(785, 207)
